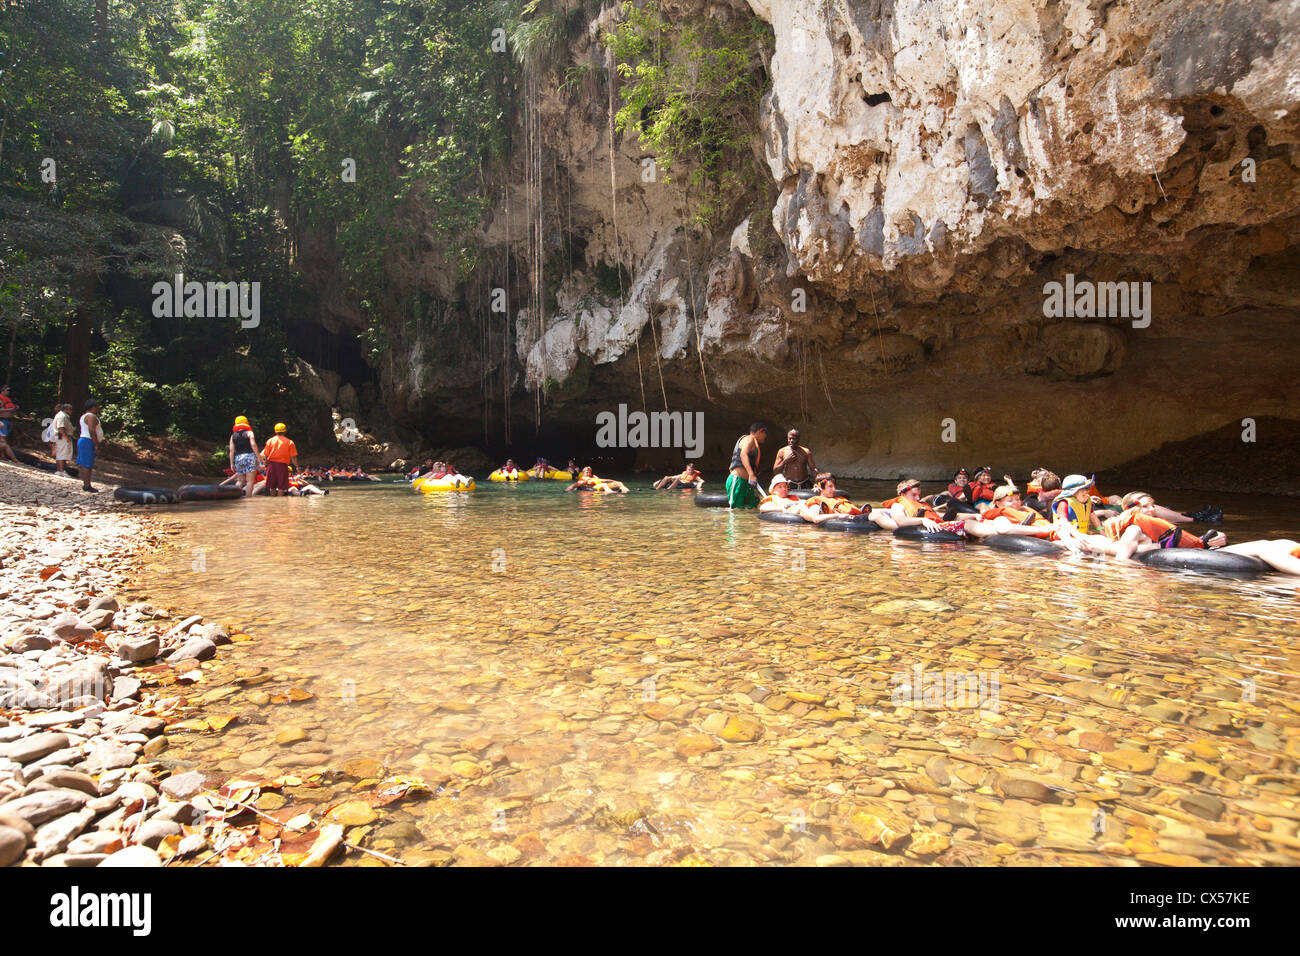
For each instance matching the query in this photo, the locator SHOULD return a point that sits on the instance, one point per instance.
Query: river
(631, 679)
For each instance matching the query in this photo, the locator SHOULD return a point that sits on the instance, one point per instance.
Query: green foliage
(690, 92)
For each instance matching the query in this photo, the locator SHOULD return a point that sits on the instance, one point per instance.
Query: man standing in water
(795, 461)
(742, 483)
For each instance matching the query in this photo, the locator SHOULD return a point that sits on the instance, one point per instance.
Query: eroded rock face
(936, 165)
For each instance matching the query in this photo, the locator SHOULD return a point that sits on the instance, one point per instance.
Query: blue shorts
(245, 463)
(5, 428)
(85, 453)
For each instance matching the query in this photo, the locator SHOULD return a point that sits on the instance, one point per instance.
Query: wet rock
(96, 841)
(182, 786)
(125, 688)
(36, 808)
(30, 642)
(154, 831)
(34, 747)
(70, 627)
(100, 620)
(290, 735)
(65, 779)
(196, 649)
(741, 729)
(133, 856)
(1134, 761)
(138, 649)
(54, 836)
(1203, 805)
(354, 813)
(13, 844)
(693, 745)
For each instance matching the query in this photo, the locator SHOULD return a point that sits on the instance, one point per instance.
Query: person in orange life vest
(778, 497)
(1169, 514)
(958, 489)
(279, 453)
(906, 509)
(689, 477)
(1137, 529)
(826, 504)
(981, 487)
(1009, 515)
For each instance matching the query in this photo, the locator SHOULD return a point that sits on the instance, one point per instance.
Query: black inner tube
(781, 517)
(1020, 544)
(1198, 559)
(710, 499)
(141, 495)
(917, 532)
(859, 523)
(209, 492)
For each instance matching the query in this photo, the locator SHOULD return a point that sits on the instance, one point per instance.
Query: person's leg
(1279, 554)
(884, 519)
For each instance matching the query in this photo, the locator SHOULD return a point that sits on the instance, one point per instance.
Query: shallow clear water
(578, 675)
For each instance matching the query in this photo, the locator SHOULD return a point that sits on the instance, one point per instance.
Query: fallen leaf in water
(297, 693)
(47, 573)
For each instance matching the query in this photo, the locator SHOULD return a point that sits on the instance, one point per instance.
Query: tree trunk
(13, 347)
(81, 326)
(101, 21)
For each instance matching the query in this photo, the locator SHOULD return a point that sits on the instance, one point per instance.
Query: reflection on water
(631, 679)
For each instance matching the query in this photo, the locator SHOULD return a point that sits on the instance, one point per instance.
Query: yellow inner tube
(499, 475)
(430, 486)
(559, 475)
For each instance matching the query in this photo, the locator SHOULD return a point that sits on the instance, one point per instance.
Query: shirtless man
(742, 482)
(795, 461)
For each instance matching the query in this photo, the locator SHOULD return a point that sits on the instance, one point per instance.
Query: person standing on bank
(7, 408)
(280, 452)
(244, 456)
(742, 483)
(64, 446)
(795, 461)
(92, 435)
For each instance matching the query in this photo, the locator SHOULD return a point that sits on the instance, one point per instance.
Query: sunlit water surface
(576, 676)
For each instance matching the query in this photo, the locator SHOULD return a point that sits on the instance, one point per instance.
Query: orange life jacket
(832, 506)
(1162, 532)
(1018, 515)
(763, 501)
(914, 509)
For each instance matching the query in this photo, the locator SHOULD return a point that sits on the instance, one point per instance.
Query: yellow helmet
(241, 420)
(280, 427)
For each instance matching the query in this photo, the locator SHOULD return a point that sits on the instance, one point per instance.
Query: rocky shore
(80, 730)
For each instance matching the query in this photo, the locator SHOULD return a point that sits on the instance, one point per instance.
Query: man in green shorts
(742, 483)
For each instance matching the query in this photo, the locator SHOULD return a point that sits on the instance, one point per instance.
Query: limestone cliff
(934, 166)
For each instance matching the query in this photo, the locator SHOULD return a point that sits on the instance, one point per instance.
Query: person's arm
(781, 456)
(744, 458)
(230, 448)
(812, 465)
(293, 459)
(95, 432)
